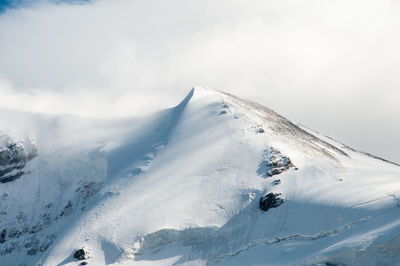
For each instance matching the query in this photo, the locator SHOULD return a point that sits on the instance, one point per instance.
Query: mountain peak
(215, 180)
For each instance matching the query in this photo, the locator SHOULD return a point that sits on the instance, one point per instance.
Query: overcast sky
(331, 65)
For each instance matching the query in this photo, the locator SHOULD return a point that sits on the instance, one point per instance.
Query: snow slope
(182, 187)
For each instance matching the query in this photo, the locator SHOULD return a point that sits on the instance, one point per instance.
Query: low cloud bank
(332, 65)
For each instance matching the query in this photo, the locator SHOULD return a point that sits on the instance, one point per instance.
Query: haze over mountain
(216, 180)
(330, 65)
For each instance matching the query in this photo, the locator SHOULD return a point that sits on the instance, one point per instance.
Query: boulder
(80, 254)
(271, 200)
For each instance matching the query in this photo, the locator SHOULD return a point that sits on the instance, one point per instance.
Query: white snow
(182, 186)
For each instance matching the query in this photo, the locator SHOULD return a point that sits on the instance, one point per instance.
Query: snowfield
(183, 187)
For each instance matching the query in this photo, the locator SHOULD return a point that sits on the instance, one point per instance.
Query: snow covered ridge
(217, 180)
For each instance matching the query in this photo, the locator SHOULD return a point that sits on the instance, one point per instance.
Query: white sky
(331, 65)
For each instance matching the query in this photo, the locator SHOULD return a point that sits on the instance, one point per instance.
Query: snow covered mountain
(217, 180)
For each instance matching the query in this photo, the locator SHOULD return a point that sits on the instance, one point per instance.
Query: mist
(330, 65)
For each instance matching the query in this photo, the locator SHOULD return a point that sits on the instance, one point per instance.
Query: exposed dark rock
(67, 209)
(333, 264)
(89, 189)
(279, 165)
(13, 158)
(276, 182)
(44, 247)
(33, 243)
(14, 233)
(35, 228)
(260, 130)
(222, 112)
(80, 254)
(9, 248)
(32, 251)
(84, 263)
(46, 219)
(11, 177)
(86, 190)
(271, 200)
(274, 163)
(3, 236)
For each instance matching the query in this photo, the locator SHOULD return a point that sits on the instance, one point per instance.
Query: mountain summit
(216, 180)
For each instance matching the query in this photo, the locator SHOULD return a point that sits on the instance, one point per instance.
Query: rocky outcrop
(274, 163)
(271, 200)
(80, 254)
(3, 235)
(35, 236)
(276, 182)
(13, 158)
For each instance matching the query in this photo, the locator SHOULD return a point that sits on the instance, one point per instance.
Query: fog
(330, 65)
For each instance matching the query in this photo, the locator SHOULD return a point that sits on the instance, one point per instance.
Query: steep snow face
(183, 186)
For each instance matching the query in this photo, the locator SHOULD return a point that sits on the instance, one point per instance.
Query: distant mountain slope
(217, 180)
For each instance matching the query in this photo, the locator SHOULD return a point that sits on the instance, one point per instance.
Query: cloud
(332, 65)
